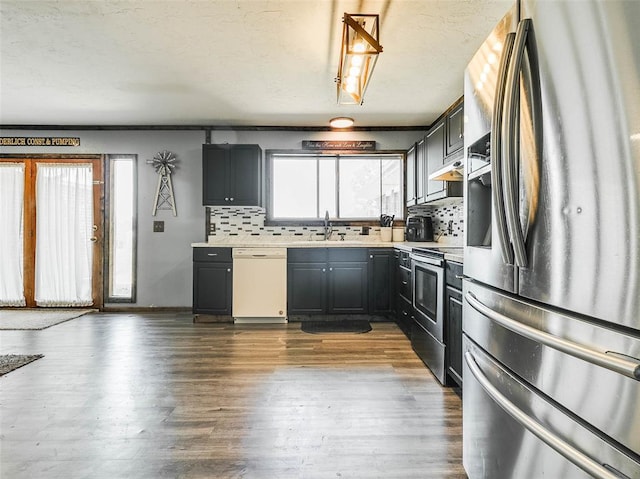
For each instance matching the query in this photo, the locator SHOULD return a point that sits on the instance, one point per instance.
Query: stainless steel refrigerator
(552, 248)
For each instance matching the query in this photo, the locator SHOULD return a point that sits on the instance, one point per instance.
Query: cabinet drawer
(404, 283)
(213, 255)
(452, 273)
(348, 254)
(307, 255)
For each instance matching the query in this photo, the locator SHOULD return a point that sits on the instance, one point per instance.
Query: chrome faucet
(327, 226)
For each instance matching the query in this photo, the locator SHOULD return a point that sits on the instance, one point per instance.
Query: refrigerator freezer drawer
(430, 350)
(588, 369)
(511, 431)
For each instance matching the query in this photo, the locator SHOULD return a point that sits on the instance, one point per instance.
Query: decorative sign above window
(364, 145)
(39, 141)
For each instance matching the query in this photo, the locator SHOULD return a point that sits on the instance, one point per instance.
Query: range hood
(453, 171)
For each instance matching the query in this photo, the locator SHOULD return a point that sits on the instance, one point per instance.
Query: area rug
(37, 318)
(9, 362)
(336, 326)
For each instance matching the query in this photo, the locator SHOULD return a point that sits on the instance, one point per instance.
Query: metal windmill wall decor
(164, 162)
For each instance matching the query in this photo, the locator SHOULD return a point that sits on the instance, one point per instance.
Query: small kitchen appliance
(419, 228)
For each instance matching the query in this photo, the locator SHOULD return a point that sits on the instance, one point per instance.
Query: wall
(164, 259)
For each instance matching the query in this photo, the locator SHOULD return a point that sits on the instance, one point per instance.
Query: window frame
(270, 154)
(108, 236)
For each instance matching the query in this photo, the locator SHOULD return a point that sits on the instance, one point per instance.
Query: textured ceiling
(228, 62)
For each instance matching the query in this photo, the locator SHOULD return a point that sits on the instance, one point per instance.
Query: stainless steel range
(428, 283)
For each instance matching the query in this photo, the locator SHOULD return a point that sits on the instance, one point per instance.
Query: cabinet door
(421, 171)
(435, 157)
(214, 175)
(411, 176)
(381, 281)
(453, 305)
(212, 288)
(244, 175)
(455, 125)
(306, 291)
(347, 288)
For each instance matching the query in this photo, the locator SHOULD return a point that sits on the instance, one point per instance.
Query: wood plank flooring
(157, 396)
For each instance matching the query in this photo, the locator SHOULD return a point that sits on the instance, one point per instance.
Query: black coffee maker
(419, 228)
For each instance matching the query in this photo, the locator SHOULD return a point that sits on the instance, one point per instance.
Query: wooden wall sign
(39, 141)
(339, 145)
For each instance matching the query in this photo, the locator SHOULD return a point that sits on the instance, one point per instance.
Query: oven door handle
(554, 441)
(427, 260)
(610, 360)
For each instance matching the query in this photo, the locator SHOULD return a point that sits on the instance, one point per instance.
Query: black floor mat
(336, 326)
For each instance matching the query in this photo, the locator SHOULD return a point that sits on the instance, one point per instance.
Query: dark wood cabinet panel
(306, 290)
(382, 280)
(455, 129)
(347, 288)
(421, 171)
(212, 283)
(453, 307)
(231, 175)
(411, 176)
(435, 157)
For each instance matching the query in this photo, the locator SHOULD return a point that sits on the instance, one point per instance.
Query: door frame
(30, 160)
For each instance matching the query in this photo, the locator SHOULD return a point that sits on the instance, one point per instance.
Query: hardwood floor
(157, 396)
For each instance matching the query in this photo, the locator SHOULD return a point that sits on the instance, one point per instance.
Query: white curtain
(64, 221)
(11, 238)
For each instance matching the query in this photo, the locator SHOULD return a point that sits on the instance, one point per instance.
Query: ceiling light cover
(358, 56)
(341, 122)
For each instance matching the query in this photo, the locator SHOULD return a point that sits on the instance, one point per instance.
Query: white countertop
(288, 242)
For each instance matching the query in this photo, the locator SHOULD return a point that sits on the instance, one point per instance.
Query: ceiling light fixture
(341, 122)
(358, 56)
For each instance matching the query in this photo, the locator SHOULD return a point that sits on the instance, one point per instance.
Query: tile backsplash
(249, 221)
(225, 221)
(440, 216)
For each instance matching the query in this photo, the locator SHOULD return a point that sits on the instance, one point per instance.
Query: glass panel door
(11, 239)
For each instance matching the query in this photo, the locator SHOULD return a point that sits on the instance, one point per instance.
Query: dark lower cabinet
(327, 281)
(307, 288)
(453, 321)
(382, 272)
(212, 281)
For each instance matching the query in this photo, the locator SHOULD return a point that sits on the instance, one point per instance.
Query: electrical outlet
(158, 226)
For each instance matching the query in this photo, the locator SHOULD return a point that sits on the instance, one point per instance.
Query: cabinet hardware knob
(371, 256)
(460, 135)
(324, 270)
(226, 199)
(212, 254)
(228, 270)
(330, 269)
(405, 283)
(231, 199)
(459, 276)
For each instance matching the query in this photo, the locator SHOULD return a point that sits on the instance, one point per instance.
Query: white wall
(164, 259)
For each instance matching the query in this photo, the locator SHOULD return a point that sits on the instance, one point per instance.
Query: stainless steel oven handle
(572, 454)
(427, 260)
(496, 153)
(610, 360)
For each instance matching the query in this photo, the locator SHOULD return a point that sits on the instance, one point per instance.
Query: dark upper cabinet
(212, 281)
(382, 275)
(455, 128)
(435, 157)
(411, 176)
(421, 171)
(231, 175)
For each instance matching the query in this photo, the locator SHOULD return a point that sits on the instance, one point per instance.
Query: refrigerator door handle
(572, 454)
(510, 150)
(611, 360)
(496, 152)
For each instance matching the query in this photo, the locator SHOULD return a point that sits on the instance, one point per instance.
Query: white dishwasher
(259, 285)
